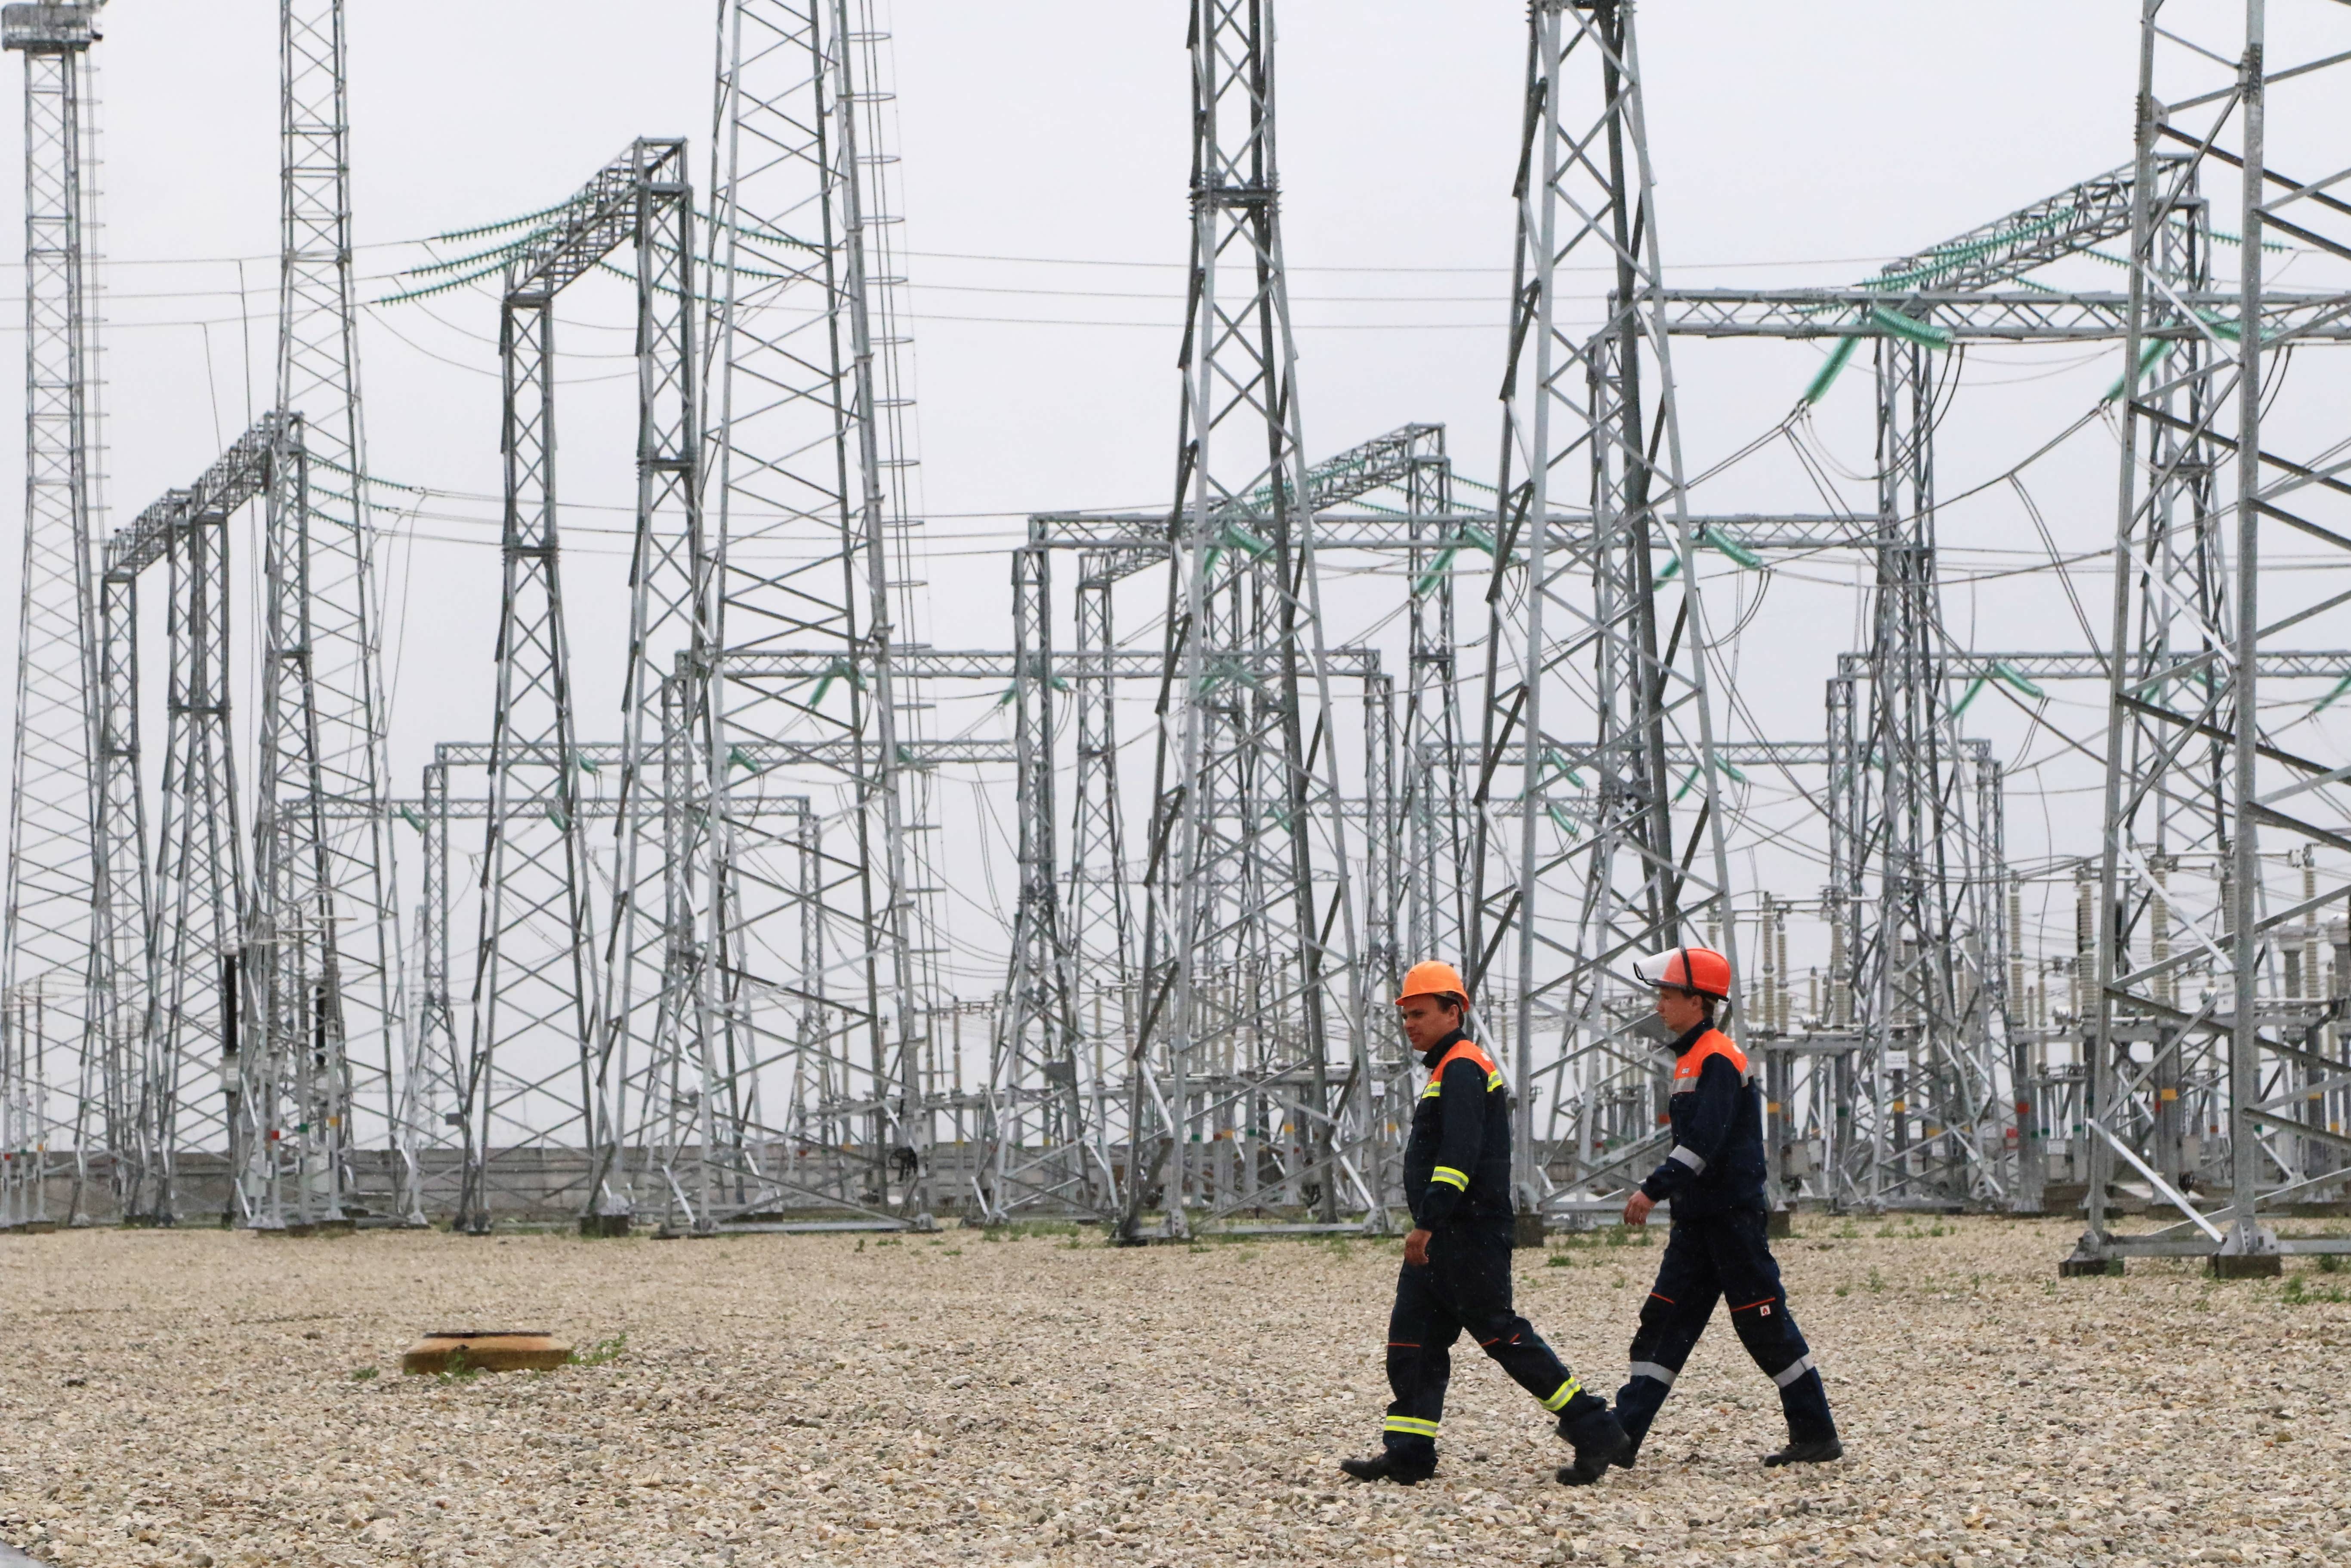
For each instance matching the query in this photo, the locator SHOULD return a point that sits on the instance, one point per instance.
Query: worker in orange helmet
(1713, 1176)
(1457, 1261)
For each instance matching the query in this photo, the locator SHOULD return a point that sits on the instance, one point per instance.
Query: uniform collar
(1436, 1053)
(1681, 1046)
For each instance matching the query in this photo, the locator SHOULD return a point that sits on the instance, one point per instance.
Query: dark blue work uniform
(1714, 1178)
(1457, 1180)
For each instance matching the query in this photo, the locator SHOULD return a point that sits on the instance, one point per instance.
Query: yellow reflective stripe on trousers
(1410, 1424)
(1450, 1178)
(1567, 1391)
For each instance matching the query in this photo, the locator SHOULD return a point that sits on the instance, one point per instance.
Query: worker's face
(1680, 1010)
(1426, 1020)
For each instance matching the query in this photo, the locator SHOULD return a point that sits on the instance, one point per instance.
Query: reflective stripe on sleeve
(1691, 1157)
(1567, 1391)
(1435, 1087)
(1410, 1424)
(1450, 1178)
(1650, 1369)
(1793, 1370)
(1493, 1081)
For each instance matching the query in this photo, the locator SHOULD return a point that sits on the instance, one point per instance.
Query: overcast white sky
(1045, 146)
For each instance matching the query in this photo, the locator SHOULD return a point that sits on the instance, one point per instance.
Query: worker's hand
(1637, 1206)
(1416, 1248)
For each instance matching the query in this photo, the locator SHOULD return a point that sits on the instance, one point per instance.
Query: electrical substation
(820, 928)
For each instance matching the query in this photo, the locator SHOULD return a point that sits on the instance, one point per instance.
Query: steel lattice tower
(175, 937)
(1249, 881)
(1055, 1112)
(1044, 1141)
(643, 1018)
(1916, 881)
(1917, 1028)
(537, 1067)
(121, 957)
(326, 955)
(50, 1018)
(1430, 804)
(1591, 649)
(2206, 802)
(811, 468)
(1096, 903)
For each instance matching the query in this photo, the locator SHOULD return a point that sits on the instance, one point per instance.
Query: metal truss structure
(696, 976)
(543, 1037)
(1598, 636)
(1249, 973)
(60, 1035)
(1918, 881)
(824, 971)
(1919, 969)
(325, 952)
(2206, 972)
(1060, 1082)
(176, 919)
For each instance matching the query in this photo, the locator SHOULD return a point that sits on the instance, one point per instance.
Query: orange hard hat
(1432, 979)
(1699, 969)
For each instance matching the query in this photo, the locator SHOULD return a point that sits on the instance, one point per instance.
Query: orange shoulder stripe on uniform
(1713, 1043)
(1468, 1049)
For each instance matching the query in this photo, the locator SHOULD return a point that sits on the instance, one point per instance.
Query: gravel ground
(206, 1398)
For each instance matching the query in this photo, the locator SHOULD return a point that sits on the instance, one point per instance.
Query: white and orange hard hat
(1699, 969)
(1432, 979)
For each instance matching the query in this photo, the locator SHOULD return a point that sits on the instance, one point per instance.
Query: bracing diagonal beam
(2087, 214)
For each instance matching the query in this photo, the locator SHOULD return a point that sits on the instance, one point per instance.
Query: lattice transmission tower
(812, 981)
(324, 956)
(2225, 836)
(1598, 642)
(538, 1069)
(1249, 963)
(200, 1090)
(55, 1027)
(1918, 888)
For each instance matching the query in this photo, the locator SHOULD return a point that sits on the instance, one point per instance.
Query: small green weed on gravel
(2296, 1294)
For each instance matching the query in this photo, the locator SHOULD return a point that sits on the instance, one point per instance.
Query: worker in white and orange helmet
(1713, 1176)
(1457, 1261)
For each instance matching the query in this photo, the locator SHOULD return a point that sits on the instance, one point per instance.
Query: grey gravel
(189, 1398)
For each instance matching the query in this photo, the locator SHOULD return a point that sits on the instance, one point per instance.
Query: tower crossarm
(2081, 215)
(2019, 316)
(600, 216)
(242, 473)
(2276, 664)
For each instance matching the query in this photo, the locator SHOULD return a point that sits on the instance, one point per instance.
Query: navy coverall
(1714, 1178)
(1457, 1180)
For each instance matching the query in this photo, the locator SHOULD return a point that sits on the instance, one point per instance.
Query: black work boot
(1385, 1466)
(1599, 1440)
(1810, 1451)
